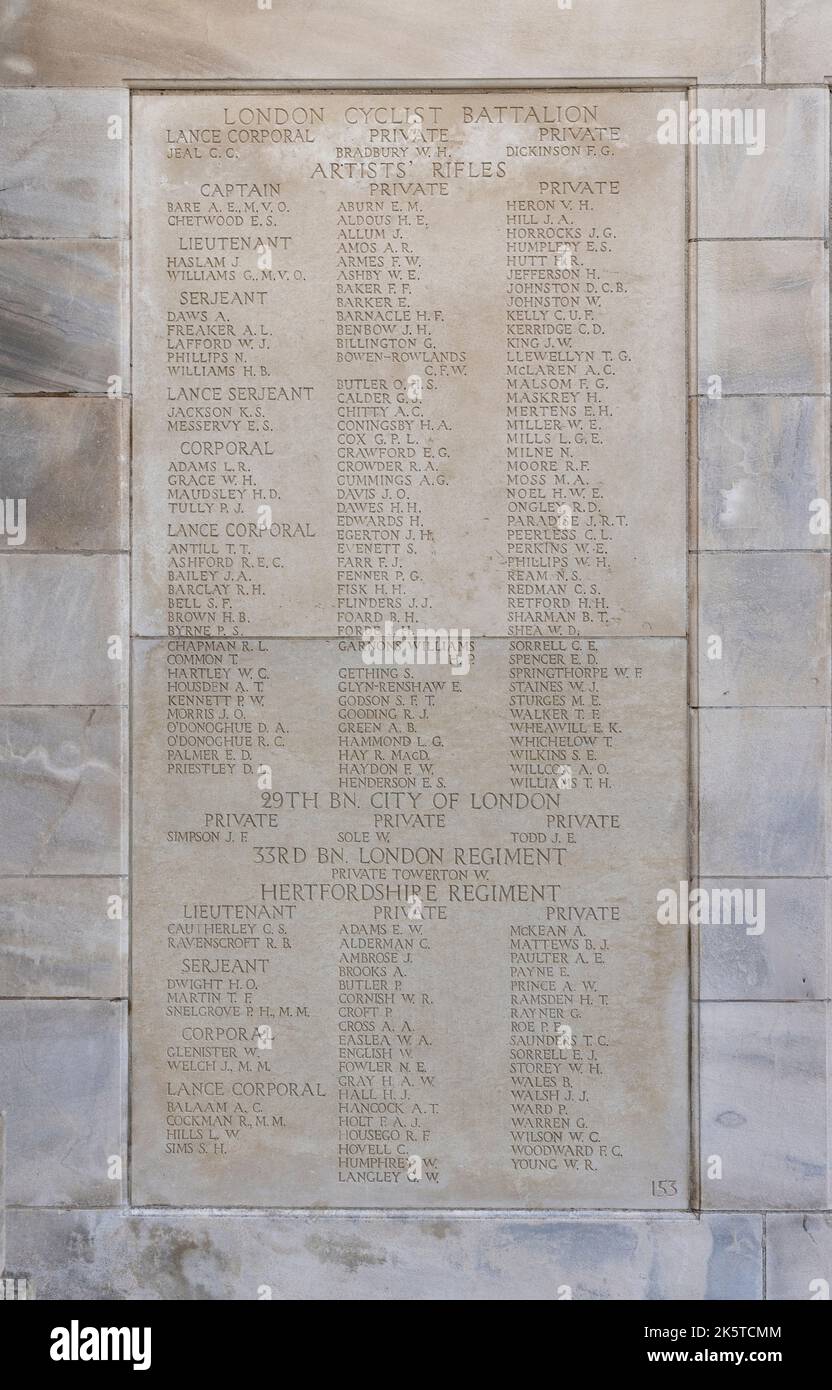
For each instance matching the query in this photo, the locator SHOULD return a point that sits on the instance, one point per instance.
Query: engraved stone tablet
(409, 733)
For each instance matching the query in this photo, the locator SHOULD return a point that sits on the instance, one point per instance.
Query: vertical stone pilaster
(760, 663)
(64, 379)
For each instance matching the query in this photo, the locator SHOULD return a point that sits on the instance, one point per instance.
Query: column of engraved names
(223, 955)
(562, 355)
(566, 752)
(387, 1127)
(226, 530)
(395, 445)
(393, 338)
(232, 260)
(388, 757)
(561, 362)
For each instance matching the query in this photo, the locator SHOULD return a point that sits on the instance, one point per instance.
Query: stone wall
(759, 321)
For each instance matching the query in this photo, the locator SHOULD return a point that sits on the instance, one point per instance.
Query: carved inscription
(409, 737)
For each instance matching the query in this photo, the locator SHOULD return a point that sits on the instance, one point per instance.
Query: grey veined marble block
(64, 621)
(61, 321)
(62, 1084)
(763, 629)
(63, 936)
(764, 1100)
(63, 162)
(763, 791)
(762, 317)
(762, 472)
(771, 187)
(66, 458)
(60, 790)
(798, 40)
(799, 1256)
(101, 1255)
(783, 954)
(51, 43)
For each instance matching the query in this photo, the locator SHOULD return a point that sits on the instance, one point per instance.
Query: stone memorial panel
(410, 725)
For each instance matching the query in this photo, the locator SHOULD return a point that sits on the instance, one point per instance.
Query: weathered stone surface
(51, 44)
(101, 1255)
(762, 316)
(61, 316)
(61, 797)
(762, 464)
(798, 40)
(2, 1190)
(321, 934)
(514, 372)
(763, 791)
(773, 193)
(788, 960)
(770, 614)
(67, 456)
(799, 1256)
(62, 936)
(62, 173)
(61, 1074)
(764, 1105)
(60, 616)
